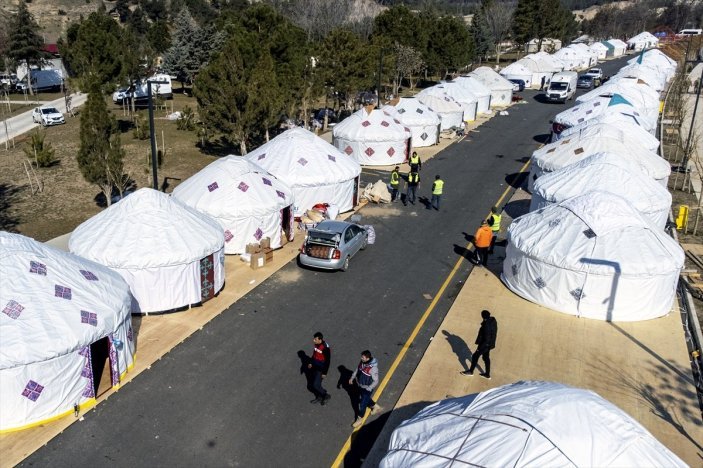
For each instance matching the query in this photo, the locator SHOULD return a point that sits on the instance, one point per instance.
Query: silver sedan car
(331, 244)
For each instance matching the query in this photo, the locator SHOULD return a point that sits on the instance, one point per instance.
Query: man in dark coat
(318, 366)
(485, 342)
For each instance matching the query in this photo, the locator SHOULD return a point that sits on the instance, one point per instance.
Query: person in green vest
(415, 163)
(437, 188)
(495, 227)
(395, 183)
(412, 185)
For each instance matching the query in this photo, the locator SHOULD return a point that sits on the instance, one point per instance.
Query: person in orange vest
(482, 241)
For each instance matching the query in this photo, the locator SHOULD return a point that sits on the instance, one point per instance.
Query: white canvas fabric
(527, 423)
(621, 176)
(593, 256)
(156, 243)
(501, 89)
(450, 112)
(375, 139)
(656, 59)
(587, 52)
(518, 71)
(420, 119)
(53, 306)
(570, 151)
(654, 77)
(619, 117)
(478, 89)
(598, 104)
(640, 95)
(570, 58)
(460, 94)
(599, 49)
(619, 47)
(316, 171)
(643, 40)
(243, 197)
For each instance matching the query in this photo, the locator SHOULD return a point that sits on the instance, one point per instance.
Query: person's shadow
(351, 389)
(460, 348)
(425, 201)
(308, 373)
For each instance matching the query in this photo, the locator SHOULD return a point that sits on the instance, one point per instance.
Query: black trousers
(482, 255)
(484, 352)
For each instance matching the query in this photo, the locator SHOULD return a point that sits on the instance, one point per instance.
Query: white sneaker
(376, 408)
(357, 422)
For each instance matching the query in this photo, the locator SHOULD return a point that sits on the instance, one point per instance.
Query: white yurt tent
(589, 58)
(65, 329)
(460, 94)
(593, 256)
(542, 65)
(657, 59)
(373, 138)
(570, 58)
(316, 171)
(654, 77)
(527, 423)
(599, 49)
(450, 112)
(518, 71)
(619, 47)
(247, 201)
(501, 89)
(585, 111)
(643, 40)
(478, 89)
(420, 119)
(570, 151)
(171, 255)
(640, 95)
(610, 173)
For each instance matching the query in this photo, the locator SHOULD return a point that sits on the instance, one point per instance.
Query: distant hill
(54, 16)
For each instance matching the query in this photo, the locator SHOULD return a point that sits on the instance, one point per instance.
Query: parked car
(47, 116)
(595, 73)
(331, 244)
(585, 81)
(518, 85)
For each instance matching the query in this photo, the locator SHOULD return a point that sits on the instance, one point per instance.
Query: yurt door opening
(286, 224)
(355, 195)
(100, 364)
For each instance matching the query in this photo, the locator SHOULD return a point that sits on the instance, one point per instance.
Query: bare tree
(319, 17)
(499, 17)
(408, 62)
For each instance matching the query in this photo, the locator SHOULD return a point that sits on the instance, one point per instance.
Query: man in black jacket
(319, 365)
(485, 341)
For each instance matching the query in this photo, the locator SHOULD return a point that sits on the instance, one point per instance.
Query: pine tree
(480, 34)
(100, 157)
(181, 58)
(25, 44)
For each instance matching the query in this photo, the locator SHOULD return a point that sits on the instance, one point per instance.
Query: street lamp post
(151, 131)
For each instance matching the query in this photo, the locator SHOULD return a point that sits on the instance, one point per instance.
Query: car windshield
(595, 71)
(49, 110)
(585, 78)
(323, 237)
(558, 86)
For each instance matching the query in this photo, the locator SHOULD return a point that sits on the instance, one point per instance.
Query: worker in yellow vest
(437, 188)
(495, 227)
(412, 185)
(395, 183)
(415, 163)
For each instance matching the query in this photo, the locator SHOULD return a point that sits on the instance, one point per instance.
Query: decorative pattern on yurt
(420, 119)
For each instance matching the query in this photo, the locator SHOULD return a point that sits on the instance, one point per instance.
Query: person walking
(413, 184)
(482, 241)
(437, 188)
(541, 85)
(415, 163)
(496, 216)
(395, 183)
(319, 365)
(366, 377)
(485, 342)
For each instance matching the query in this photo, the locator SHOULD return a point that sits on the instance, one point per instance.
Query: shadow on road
(542, 138)
(351, 389)
(460, 348)
(517, 179)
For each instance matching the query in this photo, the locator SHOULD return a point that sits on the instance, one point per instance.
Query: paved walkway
(641, 367)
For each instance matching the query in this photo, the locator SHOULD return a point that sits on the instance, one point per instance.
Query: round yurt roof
(598, 46)
(654, 57)
(147, 229)
(473, 85)
(651, 75)
(617, 43)
(54, 303)
(374, 127)
(527, 423)
(582, 112)
(566, 53)
(639, 94)
(572, 152)
(441, 103)
(234, 187)
(644, 36)
(491, 79)
(624, 121)
(518, 68)
(300, 158)
(460, 94)
(621, 176)
(597, 225)
(411, 112)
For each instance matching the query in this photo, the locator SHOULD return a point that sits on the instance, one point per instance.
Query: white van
(690, 32)
(562, 87)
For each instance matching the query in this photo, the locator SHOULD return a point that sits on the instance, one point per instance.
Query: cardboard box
(265, 243)
(268, 255)
(253, 248)
(257, 261)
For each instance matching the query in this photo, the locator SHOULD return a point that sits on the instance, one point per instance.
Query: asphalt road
(233, 395)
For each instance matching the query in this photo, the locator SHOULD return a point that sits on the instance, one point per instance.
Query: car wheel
(364, 243)
(345, 265)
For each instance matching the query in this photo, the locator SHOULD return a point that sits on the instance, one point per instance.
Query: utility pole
(154, 158)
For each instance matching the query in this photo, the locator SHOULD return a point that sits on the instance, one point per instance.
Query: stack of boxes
(260, 253)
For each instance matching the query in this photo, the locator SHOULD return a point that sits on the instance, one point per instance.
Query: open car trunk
(321, 244)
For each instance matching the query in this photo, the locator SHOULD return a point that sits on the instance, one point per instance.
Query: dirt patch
(67, 199)
(380, 211)
(289, 276)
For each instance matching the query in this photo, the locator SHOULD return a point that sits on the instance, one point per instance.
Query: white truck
(163, 89)
(562, 87)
